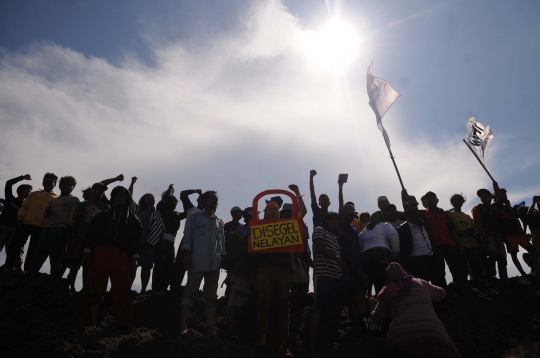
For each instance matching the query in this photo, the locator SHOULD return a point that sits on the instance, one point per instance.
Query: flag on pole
(478, 137)
(381, 97)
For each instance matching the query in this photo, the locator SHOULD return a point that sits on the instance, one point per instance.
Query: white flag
(478, 137)
(381, 97)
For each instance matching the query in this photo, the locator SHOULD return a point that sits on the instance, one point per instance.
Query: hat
(483, 191)
(275, 199)
(382, 198)
(286, 206)
(411, 205)
(271, 203)
(236, 208)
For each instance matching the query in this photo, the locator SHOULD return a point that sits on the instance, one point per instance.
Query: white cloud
(243, 112)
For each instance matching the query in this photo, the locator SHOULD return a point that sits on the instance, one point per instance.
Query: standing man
(204, 250)
(30, 222)
(8, 219)
(324, 202)
(487, 221)
(378, 216)
(112, 251)
(234, 224)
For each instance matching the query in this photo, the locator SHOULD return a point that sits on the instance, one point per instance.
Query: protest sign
(277, 235)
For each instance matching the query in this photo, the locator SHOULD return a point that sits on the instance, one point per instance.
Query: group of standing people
(399, 254)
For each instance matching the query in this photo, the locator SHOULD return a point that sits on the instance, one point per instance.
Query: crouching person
(112, 251)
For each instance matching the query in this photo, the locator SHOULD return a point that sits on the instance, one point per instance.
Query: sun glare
(333, 47)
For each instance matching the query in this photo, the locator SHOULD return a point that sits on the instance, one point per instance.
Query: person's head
(147, 201)
(347, 214)
(120, 197)
(364, 217)
(89, 194)
(100, 189)
(382, 202)
(247, 214)
(485, 196)
(431, 200)
(424, 202)
(209, 200)
(411, 212)
(350, 203)
(67, 184)
(390, 213)
(286, 211)
(324, 201)
(271, 211)
(457, 200)
(331, 221)
(169, 200)
(23, 191)
(49, 181)
(236, 213)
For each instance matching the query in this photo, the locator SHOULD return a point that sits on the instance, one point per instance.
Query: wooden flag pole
(479, 161)
(395, 166)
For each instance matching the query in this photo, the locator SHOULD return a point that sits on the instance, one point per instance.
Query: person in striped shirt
(152, 234)
(329, 279)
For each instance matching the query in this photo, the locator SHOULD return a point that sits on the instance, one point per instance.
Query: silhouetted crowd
(400, 255)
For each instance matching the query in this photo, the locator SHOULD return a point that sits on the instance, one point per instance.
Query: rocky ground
(39, 320)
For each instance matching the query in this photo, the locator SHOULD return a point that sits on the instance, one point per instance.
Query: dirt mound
(40, 320)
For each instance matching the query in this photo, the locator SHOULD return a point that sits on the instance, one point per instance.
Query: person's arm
(381, 313)
(312, 173)
(187, 241)
(135, 242)
(112, 180)
(302, 211)
(133, 181)
(404, 197)
(21, 213)
(437, 293)
(184, 198)
(393, 237)
(477, 220)
(340, 197)
(8, 190)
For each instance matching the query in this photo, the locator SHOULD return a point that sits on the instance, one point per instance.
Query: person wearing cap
(204, 251)
(445, 247)
(512, 231)
(112, 249)
(275, 274)
(83, 215)
(487, 221)
(234, 224)
(415, 250)
(241, 270)
(463, 231)
(30, 222)
(8, 219)
(321, 208)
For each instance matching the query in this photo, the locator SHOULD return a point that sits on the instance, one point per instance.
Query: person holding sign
(275, 274)
(204, 251)
(324, 202)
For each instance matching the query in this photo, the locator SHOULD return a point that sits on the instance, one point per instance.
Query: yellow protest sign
(275, 235)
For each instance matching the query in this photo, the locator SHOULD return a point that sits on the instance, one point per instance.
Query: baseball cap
(480, 192)
(411, 205)
(382, 198)
(275, 199)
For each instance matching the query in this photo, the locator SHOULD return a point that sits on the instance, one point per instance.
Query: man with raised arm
(30, 222)
(8, 219)
(324, 202)
(204, 250)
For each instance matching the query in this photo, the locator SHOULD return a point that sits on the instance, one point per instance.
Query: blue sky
(219, 95)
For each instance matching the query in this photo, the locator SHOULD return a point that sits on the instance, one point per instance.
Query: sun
(333, 47)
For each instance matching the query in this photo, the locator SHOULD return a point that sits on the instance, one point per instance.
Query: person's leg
(501, 258)
(99, 277)
(121, 288)
(453, 259)
(178, 271)
(160, 262)
(283, 282)
(439, 269)
(17, 244)
(264, 293)
(3, 238)
(473, 258)
(57, 246)
(315, 323)
(211, 282)
(145, 278)
(41, 251)
(491, 251)
(190, 295)
(35, 232)
(169, 262)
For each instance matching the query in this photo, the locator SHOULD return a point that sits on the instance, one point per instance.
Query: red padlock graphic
(276, 235)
